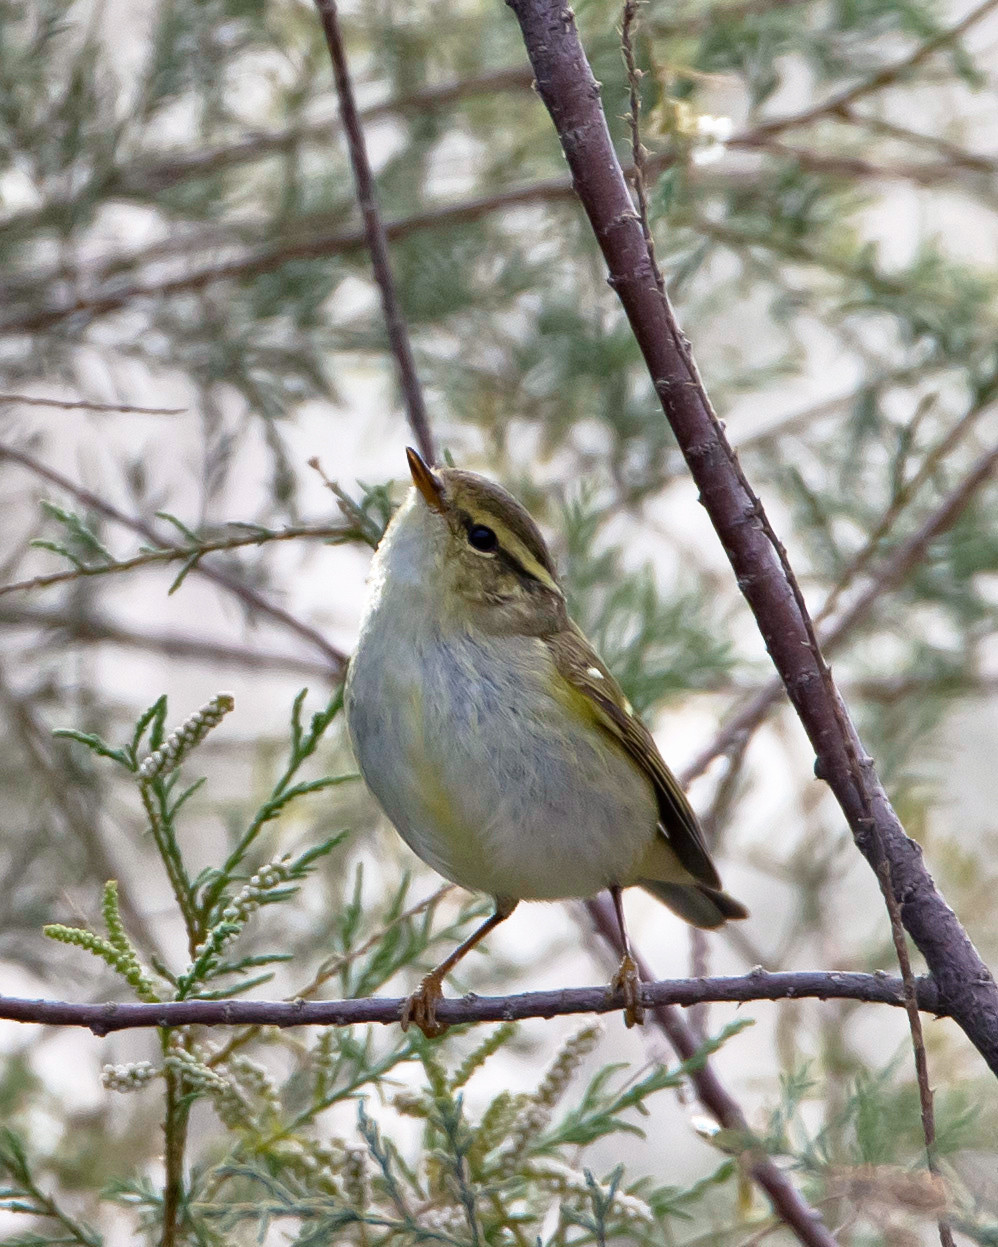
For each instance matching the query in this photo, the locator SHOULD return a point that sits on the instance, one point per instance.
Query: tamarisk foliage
(189, 318)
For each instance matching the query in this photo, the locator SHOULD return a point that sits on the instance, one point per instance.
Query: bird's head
(471, 547)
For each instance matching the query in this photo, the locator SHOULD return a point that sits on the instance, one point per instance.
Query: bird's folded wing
(579, 664)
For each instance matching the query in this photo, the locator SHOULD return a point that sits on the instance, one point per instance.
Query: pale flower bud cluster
(450, 1221)
(318, 1163)
(238, 910)
(130, 1077)
(249, 898)
(190, 734)
(536, 1113)
(565, 1181)
(256, 1079)
(230, 1102)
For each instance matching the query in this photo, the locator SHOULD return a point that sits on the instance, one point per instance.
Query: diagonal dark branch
(377, 243)
(787, 1201)
(896, 566)
(797, 985)
(571, 94)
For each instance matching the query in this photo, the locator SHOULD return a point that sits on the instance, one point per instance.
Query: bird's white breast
(488, 774)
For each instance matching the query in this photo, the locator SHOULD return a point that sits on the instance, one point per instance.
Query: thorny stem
(638, 153)
(398, 334)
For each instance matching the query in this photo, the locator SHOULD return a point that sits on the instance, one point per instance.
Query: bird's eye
(482, 538)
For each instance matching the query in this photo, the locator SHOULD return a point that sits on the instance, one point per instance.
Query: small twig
(759, 985)
(925, 1098)
(951, 153)
(713, 821)
(82, 404)
(885, 77)
(638, 153)
(173, 554)
(333, 966)
(902, 496)
(256, 601)
(398, 334)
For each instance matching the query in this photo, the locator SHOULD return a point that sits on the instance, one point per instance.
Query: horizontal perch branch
(758, 985)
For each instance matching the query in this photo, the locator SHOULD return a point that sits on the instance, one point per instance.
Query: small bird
(494, 737)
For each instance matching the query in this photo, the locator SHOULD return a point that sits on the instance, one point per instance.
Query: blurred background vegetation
(179, 233)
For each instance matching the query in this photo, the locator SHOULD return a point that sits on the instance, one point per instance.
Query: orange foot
(421, 1008)
(627, 982)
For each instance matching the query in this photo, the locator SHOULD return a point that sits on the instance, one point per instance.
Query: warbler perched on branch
(495, 739)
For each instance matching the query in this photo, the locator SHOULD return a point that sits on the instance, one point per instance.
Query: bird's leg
(421, 1007)
(627, 980)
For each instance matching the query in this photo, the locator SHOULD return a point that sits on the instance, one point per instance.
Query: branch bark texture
(795, 985)
(572, 97)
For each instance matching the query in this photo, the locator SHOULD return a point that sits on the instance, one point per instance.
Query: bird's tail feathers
(696, 903)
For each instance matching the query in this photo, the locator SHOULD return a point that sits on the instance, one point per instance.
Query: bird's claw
(421, 1008)
(627, 982)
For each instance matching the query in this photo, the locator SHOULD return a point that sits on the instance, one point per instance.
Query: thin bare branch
(377, 242)
(840, 103)
(82, 627)
(102, 1019)
(173, 554)
(82, 404)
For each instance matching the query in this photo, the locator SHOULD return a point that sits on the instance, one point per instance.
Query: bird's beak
(424, 480)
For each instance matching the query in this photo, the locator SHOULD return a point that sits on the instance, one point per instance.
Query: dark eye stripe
(503, 555)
